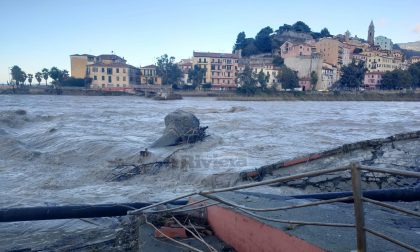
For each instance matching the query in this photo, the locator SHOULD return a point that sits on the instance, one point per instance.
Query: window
(103, 85)
(109, 79)
(109, 70)
(124, 71)
(131, 78)
(118, 85)
(124, 79)
(95, 69)
(103, 77)
(95, 77)
(117, 70)
(118, 77)
(103, 70)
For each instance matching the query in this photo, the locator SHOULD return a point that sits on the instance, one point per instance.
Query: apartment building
(333, 52)
(221, 69)
(105, 71)
(149, 76)
(289, 49)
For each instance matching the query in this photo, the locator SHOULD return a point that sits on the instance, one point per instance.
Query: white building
(384, 42)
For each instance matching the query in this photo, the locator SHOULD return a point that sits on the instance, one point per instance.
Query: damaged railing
(357, 199)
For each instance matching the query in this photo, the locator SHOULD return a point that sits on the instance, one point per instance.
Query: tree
(278, 61)
(396, 79)
(30, 78)
(288, 78)
(16, 72)
(300, 26)
(314, 79)
(263, 79)
(240, 41)
(55, 74)
(352, 75)
(73, 82)
(263, 40)
(284, 28)
(23, 77)
(248, 83)
(45, 75)
(38, 77)
(414, 71)
(249, 48)
(168, 70)
(196, 75)
(325, 33)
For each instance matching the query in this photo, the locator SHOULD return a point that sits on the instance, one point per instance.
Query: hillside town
(290, 58)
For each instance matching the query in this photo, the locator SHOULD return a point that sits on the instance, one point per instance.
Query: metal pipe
(391, 171)
(400, 209)
(400, 243)
(359, 215)
(69, 212)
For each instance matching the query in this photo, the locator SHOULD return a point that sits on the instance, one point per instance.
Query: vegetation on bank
(59, 78)
(267, 40)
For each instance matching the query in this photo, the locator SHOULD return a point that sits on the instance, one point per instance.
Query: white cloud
(417, 28)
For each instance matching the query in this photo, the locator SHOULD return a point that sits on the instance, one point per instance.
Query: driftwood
(124, 170)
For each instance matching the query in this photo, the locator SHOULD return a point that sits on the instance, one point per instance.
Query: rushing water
(57, 152)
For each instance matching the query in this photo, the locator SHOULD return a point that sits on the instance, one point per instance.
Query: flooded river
(55, 150)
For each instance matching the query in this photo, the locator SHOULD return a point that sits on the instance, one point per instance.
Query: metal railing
(357, 198)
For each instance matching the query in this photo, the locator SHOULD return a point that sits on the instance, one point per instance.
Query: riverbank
(328, 96)
(233, 96)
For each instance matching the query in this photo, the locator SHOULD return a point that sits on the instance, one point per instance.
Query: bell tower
(371, 34)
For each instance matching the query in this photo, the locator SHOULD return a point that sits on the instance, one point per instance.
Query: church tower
(371, 34)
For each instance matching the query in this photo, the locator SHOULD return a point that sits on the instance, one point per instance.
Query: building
(289, 49)
(371, 34)
(185, 65)
(333, 52)
(384, 42)
(305, 65)
(221, 69)
(270, 70)
(105, 71)
(373, 80)
(329, 76)
(382, 63)
(149, 76)
(414, 59)
(78, 64)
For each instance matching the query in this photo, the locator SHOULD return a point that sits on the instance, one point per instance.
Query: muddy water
(58, 151)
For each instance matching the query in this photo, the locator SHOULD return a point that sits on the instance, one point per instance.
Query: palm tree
(30, 77)
(38, 77)
(23, 77)
(45, 75)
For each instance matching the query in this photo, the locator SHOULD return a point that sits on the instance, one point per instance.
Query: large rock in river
(180, 127)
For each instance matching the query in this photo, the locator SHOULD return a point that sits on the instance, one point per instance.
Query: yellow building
(332, 51)
(221, 69)
(149, 76)
(382, 63)
(78, 63)
(104, 71)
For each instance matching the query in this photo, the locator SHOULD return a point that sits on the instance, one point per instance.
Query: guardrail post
(358, 208)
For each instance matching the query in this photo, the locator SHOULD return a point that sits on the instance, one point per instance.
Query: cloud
(417, 28)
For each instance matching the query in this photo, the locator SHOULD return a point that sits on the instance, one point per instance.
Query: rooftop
(215, 55)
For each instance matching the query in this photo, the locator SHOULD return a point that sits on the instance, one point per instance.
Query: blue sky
(42, 33)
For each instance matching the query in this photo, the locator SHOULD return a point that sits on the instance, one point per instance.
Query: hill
(413, 46)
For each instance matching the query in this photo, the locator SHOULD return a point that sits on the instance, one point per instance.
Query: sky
(36, 34)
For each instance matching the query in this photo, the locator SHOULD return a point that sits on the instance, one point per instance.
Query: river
(55, 150)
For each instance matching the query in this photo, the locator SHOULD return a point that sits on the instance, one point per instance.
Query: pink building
(289, 49)
(305, 84)
(373, 80)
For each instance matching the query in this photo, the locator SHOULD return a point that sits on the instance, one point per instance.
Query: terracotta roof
(88, 55)
(99, 64)
(215, 55)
